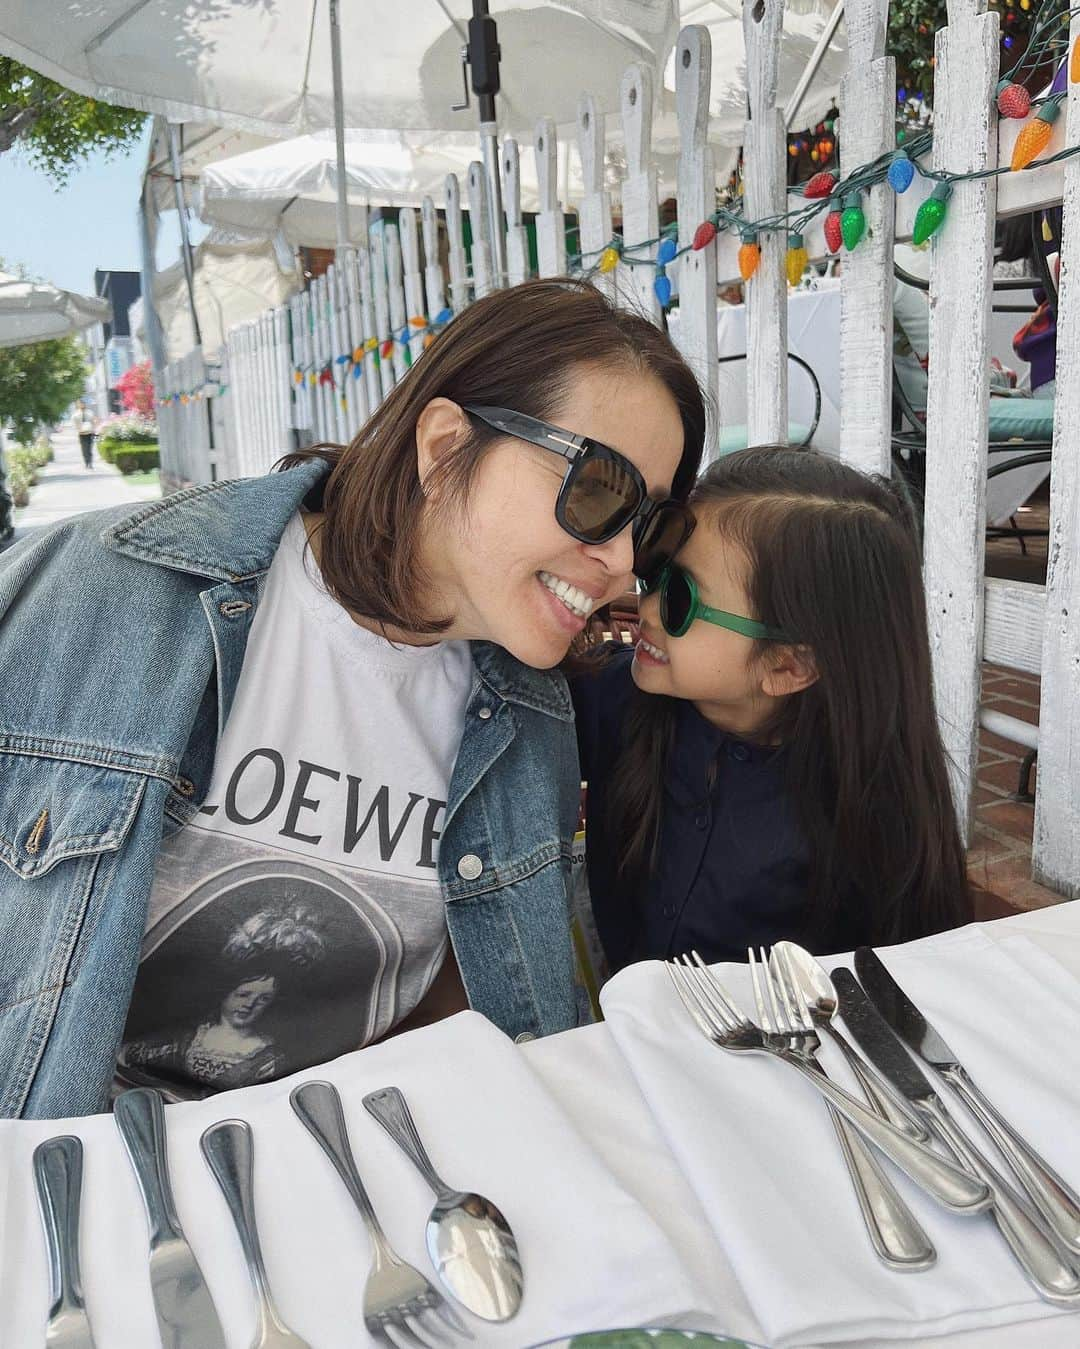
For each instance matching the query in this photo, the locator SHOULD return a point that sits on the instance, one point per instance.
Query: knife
(1035, 1249)
(186, 1316)
(1055, 1200)
(58, 1180)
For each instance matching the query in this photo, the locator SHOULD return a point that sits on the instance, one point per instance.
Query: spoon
(469, 1241)
(819, 993)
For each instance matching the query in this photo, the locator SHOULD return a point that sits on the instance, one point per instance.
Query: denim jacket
(122, 635)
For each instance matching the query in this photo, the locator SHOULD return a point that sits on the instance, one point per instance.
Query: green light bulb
(931, 213)
(852, 222)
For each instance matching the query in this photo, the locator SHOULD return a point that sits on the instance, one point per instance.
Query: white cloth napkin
(757, 1144)
(593, 1258)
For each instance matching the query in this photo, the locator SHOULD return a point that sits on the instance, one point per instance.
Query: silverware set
(472, 1248)
(902, 1116)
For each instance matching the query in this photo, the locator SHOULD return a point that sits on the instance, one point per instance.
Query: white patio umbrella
(34, 311)
(293, 185)
(268, 66)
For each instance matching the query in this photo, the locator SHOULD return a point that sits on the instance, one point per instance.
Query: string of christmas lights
(842, 199)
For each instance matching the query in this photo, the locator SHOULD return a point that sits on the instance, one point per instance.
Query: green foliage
(129, 428)
(129, 458)
(39, 382)
(22, 463)
(58, 128)
(913, 23)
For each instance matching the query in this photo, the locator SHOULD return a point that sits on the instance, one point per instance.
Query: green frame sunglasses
(671, 600)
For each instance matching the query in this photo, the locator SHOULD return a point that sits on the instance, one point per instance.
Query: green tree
(57, 128)
(38, 383)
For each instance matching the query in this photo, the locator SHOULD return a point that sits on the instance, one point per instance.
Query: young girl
(765, 763)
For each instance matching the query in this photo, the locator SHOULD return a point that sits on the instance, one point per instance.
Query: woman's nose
(616, 554)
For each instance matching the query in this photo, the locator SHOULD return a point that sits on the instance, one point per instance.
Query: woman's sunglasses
(602, 492)
(680, 604)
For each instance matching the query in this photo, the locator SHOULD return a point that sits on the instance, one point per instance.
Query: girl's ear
(789, 669)
(440, 426)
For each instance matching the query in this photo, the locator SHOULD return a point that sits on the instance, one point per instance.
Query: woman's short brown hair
(517, 348)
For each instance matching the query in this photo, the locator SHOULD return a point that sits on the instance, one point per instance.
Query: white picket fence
(321, 364)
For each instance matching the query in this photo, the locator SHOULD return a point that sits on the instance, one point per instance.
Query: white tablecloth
(583, 1073)
(813, 334)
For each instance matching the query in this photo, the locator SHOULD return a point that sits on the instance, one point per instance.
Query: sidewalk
(65, 487)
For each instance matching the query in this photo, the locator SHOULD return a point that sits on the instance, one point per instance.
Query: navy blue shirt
(734, 864)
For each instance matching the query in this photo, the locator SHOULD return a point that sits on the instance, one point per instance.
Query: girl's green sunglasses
(680, 604)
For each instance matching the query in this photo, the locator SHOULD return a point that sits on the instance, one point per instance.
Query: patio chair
(734, 438)
(1020, 429)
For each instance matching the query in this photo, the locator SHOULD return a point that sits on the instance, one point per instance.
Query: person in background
(86, 425)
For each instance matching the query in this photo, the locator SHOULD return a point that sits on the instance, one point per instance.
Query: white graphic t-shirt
(299, 916)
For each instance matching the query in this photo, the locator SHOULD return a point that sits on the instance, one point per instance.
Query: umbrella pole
(185, 241)
(813, 65)
(484, 64)
(343, 240)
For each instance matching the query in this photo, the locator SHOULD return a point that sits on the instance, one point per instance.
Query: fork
(400, 1305)
(894, 1232)
(718, 1018)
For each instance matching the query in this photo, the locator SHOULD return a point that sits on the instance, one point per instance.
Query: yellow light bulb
(797, 259)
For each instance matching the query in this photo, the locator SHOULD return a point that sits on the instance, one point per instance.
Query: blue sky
(63, 235)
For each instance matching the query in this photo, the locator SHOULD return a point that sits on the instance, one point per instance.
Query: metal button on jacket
(470, 867)
(484, 713)
(524, 1037)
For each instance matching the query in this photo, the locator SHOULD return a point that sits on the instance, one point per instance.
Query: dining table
(632, 1159)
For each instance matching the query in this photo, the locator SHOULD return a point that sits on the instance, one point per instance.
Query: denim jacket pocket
(54, 808)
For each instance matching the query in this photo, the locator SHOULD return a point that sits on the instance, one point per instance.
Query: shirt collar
(698, 746)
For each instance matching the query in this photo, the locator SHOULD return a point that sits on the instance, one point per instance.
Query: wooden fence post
(484, 278)
(696, 333)
(550, 228)
(1056, 845)
(459, 276)
(965, 141)
(594, 210)
(517, 236)
(765, 195)
(640, 192)
(867, 115)
(414, 281)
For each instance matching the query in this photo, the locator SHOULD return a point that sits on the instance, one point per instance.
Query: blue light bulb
(901, 172)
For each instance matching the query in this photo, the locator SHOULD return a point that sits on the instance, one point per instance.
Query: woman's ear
(789, 669)
(440, 426)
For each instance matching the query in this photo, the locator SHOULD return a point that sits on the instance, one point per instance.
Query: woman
(332, 686)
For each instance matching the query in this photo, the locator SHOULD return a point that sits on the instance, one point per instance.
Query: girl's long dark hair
(834, 560)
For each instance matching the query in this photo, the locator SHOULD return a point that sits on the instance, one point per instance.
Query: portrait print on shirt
(261, 959)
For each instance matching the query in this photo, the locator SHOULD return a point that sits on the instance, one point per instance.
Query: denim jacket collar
(196, 531)
(542, 690)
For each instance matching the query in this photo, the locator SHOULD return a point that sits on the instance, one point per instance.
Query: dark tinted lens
(659, 541)
(675, 602)
(602, 499)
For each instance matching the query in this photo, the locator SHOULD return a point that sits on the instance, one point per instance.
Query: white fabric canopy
(34, 311)
(292, 185)
(234, 281)
(264, 65)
